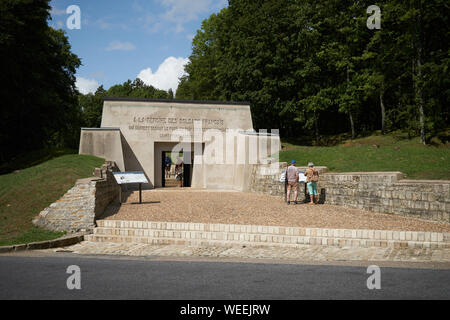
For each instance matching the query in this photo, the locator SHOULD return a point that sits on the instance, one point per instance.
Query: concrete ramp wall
(103, 143)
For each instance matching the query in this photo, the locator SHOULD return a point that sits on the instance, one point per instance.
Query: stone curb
(260, 244)
(177, 232)
(60, 242)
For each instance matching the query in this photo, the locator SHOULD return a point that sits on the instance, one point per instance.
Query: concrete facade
(216, 138)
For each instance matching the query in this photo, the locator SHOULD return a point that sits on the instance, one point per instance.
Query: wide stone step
(173, 241)
(171, 183)
(176, 232)
(214, 238)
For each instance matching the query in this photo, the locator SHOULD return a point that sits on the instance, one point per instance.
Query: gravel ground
(190, 205)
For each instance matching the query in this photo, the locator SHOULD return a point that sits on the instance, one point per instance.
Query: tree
(200, 83)
(39, 107)
(170, 94)
(306, 65)
(92, 104)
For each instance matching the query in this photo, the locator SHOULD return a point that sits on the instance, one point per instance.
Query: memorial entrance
(215, 138)
(176, 169)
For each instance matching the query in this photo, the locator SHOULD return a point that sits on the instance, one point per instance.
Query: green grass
(376, 153)
(25, 193)
(33, 158)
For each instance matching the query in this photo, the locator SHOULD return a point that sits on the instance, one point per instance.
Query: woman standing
(312, 176)
(179, 172)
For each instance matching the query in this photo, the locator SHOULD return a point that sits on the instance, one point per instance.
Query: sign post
(129, 178)
(140, 192)
(302, 179)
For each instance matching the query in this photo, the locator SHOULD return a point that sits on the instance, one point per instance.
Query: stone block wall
(388, 192)
(385, 192)
(266, 179)
(106, 190)
(78, 209)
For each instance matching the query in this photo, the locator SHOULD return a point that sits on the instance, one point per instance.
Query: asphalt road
(112, 278)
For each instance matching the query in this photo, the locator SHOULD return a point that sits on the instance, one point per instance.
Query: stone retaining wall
(106, 190)
(386, 192)
(78, 209)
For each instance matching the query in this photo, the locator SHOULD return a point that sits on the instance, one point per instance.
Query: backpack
(315, 176)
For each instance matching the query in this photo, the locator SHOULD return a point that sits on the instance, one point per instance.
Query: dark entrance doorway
(169, 179)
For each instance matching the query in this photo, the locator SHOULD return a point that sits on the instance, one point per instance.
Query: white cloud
(151, 22)
(167, 75)
(105, 24)
(176, 13)
(136, 6)
(182, 11)
(97, 74)
(57, 12)
(86, 85)
(122, 46)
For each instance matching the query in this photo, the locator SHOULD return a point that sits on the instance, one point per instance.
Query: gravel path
(190, 205)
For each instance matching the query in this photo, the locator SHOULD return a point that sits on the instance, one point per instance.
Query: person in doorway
(292, 179)
(168, 163)
(179, 172)
(312, 176)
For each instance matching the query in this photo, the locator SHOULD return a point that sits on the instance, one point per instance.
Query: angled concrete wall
(104, 143)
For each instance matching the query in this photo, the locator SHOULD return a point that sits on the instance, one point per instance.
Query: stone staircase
(178, 233)
(171, 182)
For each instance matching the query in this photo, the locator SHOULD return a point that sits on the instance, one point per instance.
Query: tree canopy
(39, 105)
(314, 67)
(91, 104)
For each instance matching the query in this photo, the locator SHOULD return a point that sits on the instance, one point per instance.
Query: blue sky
(121, 40)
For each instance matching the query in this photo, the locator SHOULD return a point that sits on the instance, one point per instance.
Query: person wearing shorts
(312, 176)
(179, 172)
(168, 163)
(292, 178)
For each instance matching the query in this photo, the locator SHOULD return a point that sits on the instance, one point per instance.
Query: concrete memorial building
(216, 138)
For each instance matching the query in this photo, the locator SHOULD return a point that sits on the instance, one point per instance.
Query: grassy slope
(395, 153)
(25, 193)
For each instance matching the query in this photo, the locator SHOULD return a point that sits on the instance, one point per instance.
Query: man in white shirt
(292, 179)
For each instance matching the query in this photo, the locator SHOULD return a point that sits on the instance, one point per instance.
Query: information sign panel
(130, 177)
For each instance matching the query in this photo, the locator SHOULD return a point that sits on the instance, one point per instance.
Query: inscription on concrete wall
(167, 125)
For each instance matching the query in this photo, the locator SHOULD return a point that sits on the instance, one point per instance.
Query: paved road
(44, 277)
